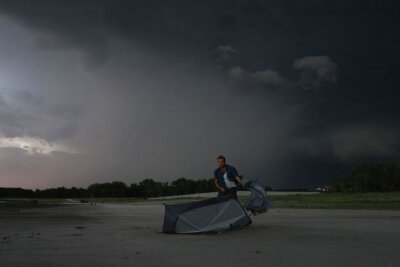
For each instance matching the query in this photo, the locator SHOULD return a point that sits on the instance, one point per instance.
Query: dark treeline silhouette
(16, 192)
(370, 177)
(144, 189)
(367, 177)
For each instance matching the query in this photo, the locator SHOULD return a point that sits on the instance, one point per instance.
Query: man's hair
(221, 157)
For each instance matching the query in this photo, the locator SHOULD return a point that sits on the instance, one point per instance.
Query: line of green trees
(144, 189)
(370, 177)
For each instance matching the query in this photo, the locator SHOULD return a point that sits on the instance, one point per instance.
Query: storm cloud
(315, 70)
(125, 90)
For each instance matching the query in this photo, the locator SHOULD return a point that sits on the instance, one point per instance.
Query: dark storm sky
(293, 93)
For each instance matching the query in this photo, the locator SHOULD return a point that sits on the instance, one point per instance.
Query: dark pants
(229, 193)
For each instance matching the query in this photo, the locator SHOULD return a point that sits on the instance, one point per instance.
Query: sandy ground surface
(130, 235)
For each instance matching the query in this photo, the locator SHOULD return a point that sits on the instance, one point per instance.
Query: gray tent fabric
(210, 215)
(257, 202)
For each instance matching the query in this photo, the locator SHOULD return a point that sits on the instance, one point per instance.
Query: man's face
(221, 163)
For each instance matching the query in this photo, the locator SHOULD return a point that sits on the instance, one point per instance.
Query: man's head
(221, 161)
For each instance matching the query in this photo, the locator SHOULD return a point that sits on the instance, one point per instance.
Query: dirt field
(130, 235)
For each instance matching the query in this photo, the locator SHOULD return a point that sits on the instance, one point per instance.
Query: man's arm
(220, 188)
(238, 179)
(236, 175)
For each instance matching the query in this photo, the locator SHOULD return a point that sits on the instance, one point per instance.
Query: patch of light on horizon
(33, 145)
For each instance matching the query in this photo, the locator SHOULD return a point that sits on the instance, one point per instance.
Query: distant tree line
(367, 177)
(370, 177)
(144, 189)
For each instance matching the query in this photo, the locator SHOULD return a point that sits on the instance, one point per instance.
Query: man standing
(225, 180)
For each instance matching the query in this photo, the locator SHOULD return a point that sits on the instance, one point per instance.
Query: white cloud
(268, 78)
(33, 145)
(225, 52)
(237, 73)
(314, 70)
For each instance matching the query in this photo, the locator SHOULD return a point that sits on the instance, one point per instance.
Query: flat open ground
(130, 235)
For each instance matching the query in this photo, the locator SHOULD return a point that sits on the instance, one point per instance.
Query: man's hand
(220, 188)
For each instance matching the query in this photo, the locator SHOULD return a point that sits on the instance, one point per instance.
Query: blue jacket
(231, 173)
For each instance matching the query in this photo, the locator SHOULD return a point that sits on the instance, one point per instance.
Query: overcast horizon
(293, 93)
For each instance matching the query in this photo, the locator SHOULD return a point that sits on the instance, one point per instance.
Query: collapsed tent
(257, 201)
(210, 215)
